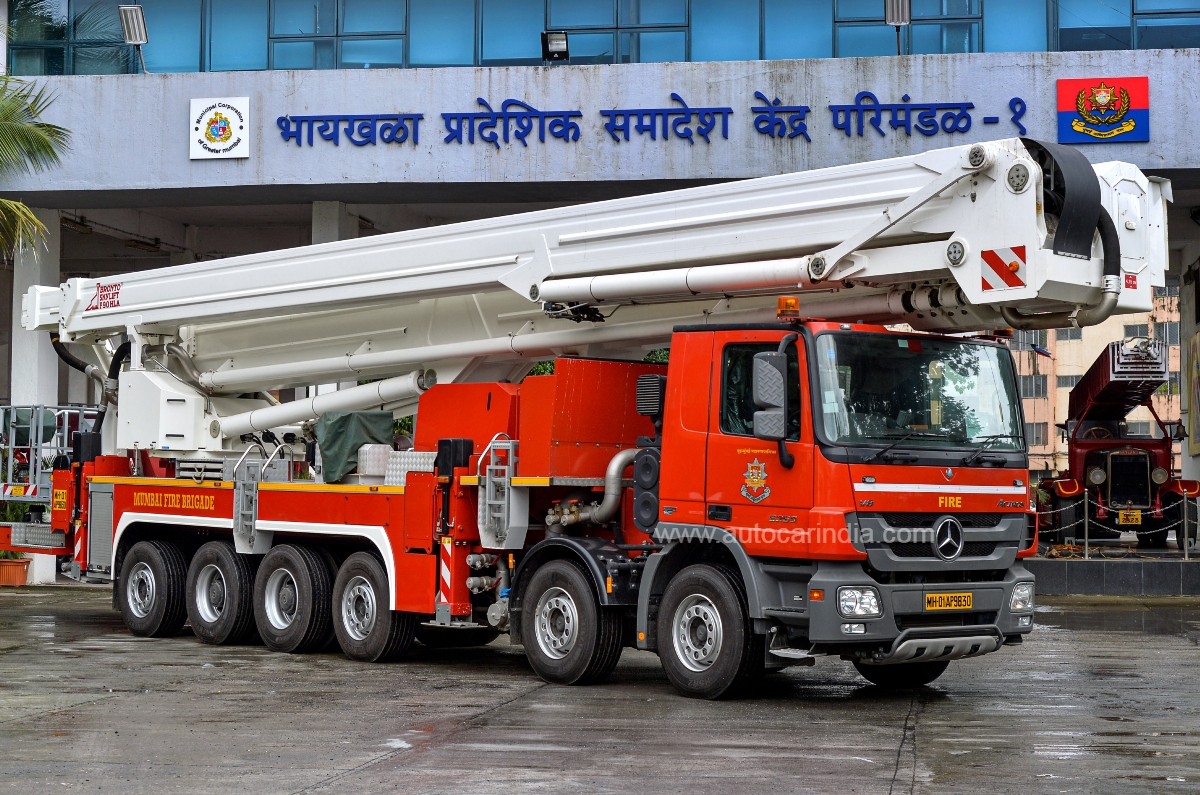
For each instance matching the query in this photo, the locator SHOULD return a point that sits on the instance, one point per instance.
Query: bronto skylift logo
(108, 296)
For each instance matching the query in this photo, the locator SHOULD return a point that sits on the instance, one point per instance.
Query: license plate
(948, 601)
(1129, 517)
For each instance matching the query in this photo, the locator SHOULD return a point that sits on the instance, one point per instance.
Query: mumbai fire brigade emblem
(756, 489)
(1095, 110)
(217, 129)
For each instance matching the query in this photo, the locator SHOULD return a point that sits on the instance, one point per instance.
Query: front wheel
(901, 676)
(569, 637)
(151, 593)
(705, 639)
(367, 628)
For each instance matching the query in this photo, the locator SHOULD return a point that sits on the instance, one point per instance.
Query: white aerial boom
(1009, 233)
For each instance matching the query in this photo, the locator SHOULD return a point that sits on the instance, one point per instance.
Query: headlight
(1160, 475)
(859, 603)
(1022, 597)
(1095, 476)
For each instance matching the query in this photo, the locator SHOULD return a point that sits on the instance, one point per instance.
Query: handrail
(271, 457)
(486, 450)
(243, 458)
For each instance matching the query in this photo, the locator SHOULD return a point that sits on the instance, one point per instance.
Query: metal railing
(1183, 538)
(32, 437)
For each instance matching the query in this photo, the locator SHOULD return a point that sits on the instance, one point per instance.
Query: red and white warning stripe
(447, 550)
(1003, 268)
(20, 491)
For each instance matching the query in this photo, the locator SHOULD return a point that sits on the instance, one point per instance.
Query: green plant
(27, 145)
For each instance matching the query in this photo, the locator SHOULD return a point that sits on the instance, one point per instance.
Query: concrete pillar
(331, 221)
(191, 239)
(34, 363)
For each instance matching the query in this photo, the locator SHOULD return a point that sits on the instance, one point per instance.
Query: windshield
(877, 388)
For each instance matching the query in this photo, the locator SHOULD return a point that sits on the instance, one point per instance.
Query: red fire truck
(784, 488)
(1126, 478)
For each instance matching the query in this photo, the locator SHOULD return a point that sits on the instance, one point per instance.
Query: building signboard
(1104, 110)
(220, 128)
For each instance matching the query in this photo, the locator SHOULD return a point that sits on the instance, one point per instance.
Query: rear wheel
(569, 637)
(447, 638)
(366, 628)
(902, 676)
(152, 591)
(705, 639)
(220, 594)
(292, 600)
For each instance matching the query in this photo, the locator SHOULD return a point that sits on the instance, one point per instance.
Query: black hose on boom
(114, 370)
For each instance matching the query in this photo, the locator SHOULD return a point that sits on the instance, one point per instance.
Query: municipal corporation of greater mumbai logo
(756, 489)
(217, 129)
(1104, 110)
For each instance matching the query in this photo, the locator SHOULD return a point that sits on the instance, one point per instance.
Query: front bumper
(907, 632)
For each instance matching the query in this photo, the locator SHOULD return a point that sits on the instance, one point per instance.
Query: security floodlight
(897, 13)
(554, 45)
(133, 27)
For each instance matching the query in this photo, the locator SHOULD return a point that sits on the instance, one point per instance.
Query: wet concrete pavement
(1101, 698)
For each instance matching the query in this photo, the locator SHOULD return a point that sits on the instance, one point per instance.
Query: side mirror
(769, 391)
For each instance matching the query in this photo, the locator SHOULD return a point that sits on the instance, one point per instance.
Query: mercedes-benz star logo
(949, 473)
(948, 538)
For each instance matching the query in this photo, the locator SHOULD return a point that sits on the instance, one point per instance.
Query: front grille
(920, 549)
(927, 620)
(927, 519)
(1129, 479)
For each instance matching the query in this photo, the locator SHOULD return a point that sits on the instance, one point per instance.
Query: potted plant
(14, 568)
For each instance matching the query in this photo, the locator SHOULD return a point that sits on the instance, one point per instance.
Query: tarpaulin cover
(341, 433)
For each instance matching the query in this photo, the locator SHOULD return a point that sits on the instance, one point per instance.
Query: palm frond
(27, 144)
(19, 226)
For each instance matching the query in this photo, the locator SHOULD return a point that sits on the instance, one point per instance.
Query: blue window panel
(237, 35)
(175, 45)
(37, 61)
(303, 17)
(1168, 32)
(797, 29)
(933, 9)
(654, 46)
(38, 21)
(859, 9)
(592, 48)
(652, 12)
(1015, 26)
(373, 16)
(582, 13)
(512, 31)
(96, 21)
(724, 30)
(862, 40)
(371, 54)
(1157, 6)
(1090, 25)
(100, 60)
(316, 54)
(442, 32)
(933, 38)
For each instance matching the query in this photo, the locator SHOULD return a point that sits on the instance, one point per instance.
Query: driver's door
(747, 490)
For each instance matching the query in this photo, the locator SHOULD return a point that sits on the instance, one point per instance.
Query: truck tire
(152, 592)
(220, 594)
(901, 676)
(293, 600)
(366, 629)
(447, 638)
(569, 638)
(705, 638)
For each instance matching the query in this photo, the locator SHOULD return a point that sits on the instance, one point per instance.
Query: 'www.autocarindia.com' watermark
(858, 536)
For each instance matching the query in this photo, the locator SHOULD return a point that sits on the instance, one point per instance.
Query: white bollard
(41, 569)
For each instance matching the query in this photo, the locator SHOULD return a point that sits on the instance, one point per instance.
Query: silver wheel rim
(557, 623)
(210, 593)
(697, 632)
(281, 599)
(139, 591)
(358, 608)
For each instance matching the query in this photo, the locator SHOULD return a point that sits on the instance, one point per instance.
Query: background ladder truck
(786, 487)
(1127, 477)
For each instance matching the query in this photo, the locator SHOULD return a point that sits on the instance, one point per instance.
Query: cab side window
(737, 400)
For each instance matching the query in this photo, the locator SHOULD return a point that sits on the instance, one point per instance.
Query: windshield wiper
(905, 438)
(988, 441)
